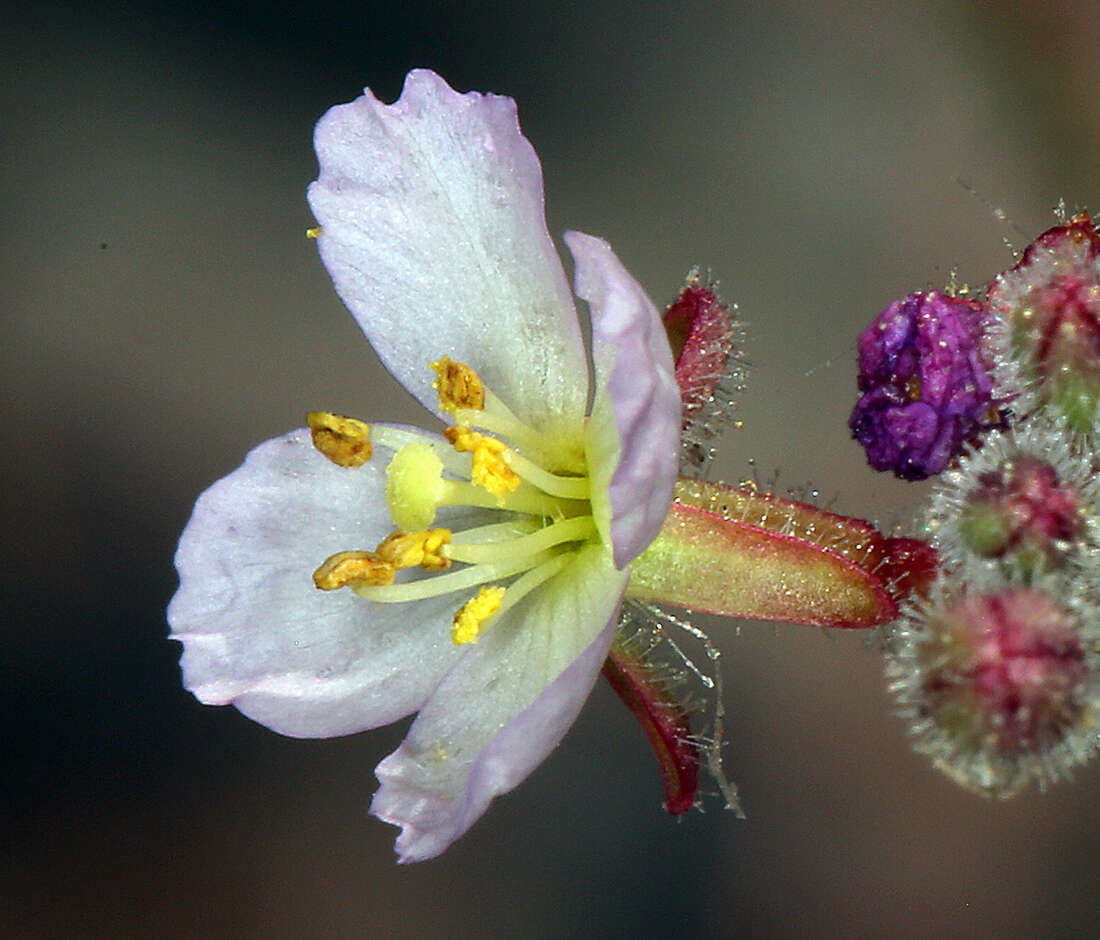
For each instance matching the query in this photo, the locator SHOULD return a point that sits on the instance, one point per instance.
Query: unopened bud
(1046, 332)
(1000, 684)
(1024, 504)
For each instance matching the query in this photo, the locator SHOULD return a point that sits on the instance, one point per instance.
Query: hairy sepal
(665, 722)
(706, 339)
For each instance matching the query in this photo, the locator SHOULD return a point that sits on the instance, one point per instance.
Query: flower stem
(746, 554)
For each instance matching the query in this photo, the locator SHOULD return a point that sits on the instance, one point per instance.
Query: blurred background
(163, 312)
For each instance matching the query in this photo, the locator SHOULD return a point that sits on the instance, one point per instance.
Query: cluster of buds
(997, 394)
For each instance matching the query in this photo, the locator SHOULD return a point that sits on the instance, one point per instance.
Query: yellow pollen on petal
(490, 469)
(345, 441)
(410, 549)
(471, 616)
(314, 232)
(458, 386)
(353, 569)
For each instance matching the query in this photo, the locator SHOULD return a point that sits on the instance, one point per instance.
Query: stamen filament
(498, 419)
(569, 530)
(526, 499)
(455, 581)
(497, 531)
(568, 487)
(527, 582)
(395, 438)
(476, 615)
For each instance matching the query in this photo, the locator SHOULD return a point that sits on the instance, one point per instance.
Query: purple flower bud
(926, 387)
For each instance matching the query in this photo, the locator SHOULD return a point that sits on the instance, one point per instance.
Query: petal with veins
(501, 710)
(259, 635)
(433, 230)
(634, 430)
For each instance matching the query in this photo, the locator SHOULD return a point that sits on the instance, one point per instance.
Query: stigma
(536, 512)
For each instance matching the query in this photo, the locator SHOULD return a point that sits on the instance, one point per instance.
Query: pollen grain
(412, 549)
(353, 569)
(345, 441)
(458, 386)
(471, 616)
(490, 468)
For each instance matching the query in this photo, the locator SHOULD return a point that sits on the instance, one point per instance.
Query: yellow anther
(458, 386)
(409, 549)
(313, 232)
(345, 441)
(472, 615)
(353, 569)
(490, 468)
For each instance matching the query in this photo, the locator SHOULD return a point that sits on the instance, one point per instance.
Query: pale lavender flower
(432, 227)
